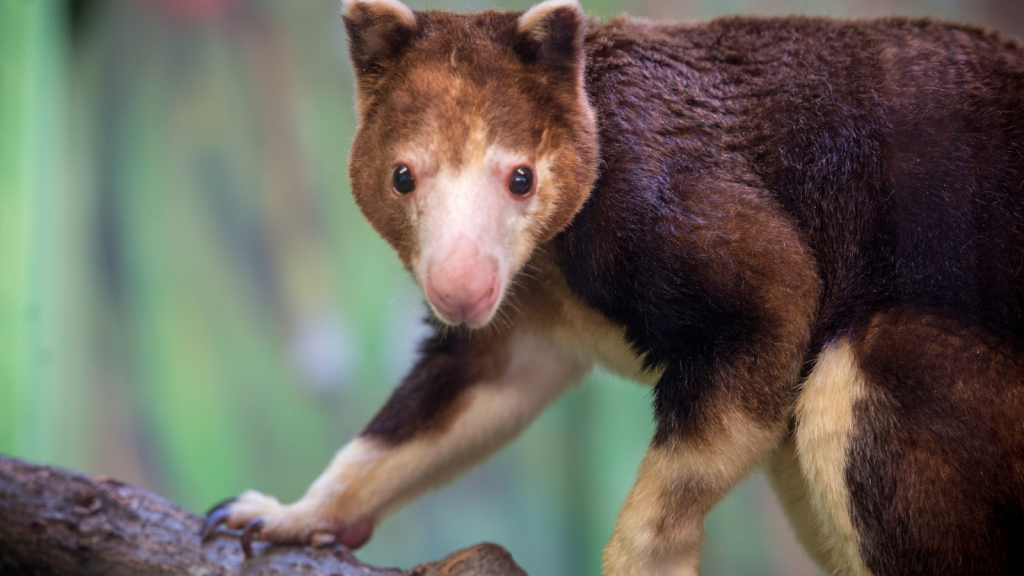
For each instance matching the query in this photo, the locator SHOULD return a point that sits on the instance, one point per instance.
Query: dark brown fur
(753, 190)
(894, 147)
(937, 469)
(430, 397)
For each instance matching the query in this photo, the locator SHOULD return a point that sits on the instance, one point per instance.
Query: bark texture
(53, 521)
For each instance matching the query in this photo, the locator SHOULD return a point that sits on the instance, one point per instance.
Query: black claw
(252, 528)
(215, 517)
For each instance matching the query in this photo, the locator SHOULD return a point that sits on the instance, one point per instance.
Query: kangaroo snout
(463, 285)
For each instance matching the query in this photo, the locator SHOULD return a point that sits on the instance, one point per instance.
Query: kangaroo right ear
(378, 31)
(551, 33)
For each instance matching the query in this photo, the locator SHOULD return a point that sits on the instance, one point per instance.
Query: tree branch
(53, 521)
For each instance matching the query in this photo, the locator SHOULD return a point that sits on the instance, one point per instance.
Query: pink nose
(463, 285)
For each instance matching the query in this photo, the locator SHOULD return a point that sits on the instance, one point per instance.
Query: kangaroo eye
(521, 181)
(402, 180)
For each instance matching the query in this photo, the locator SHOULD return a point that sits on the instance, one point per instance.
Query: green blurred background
(190, 301)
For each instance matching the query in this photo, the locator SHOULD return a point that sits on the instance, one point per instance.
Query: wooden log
(56, 522)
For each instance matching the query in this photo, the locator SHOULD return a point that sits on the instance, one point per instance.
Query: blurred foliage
(34, 207)
(189, 299)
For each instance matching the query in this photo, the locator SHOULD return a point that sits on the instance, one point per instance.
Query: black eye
(521, 182)
(401, 179)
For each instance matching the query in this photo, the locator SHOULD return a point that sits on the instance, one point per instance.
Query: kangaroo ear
(551, 33)
(378, 31)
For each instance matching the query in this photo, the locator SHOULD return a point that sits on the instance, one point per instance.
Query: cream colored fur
(367, 480)
(472, 201)
(593, 339)
(401, 12)
(532, 21)
(660, 527)
(580, 331)
(809, 471)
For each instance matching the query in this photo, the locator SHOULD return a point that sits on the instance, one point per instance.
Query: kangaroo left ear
(551, 33)
(378, 31)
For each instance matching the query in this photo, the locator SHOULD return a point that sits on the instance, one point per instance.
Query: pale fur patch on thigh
(809, 473)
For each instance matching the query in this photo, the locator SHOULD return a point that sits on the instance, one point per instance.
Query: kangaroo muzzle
(463, 285)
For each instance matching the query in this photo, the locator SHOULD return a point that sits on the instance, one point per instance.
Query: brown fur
(660, 527)
(938, 454)
(443, 85)
(807, 233)
(433, 395)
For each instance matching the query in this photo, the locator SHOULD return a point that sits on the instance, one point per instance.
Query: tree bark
(56, 522)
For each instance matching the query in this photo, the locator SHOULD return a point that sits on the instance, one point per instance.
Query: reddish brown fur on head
(464, 100)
